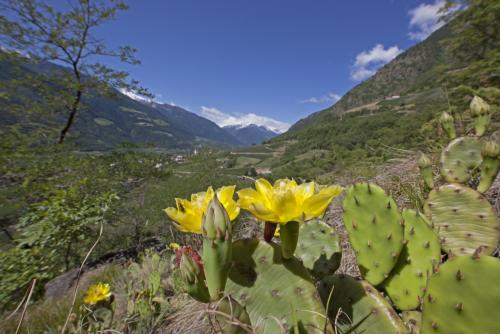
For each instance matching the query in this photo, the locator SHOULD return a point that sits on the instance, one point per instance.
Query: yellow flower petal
(263, 213)
(304, 191)
(331, 190)
(248, 196)
(285, 206)
(316, 205)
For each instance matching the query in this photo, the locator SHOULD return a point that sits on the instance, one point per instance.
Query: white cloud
(330, 97)
(225, 119)
(425, 19)
(367, 62)
(138, 97)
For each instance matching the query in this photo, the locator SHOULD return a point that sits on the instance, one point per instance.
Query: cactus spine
(425, 166)
(448, 125)
(480, 111)
(217, 247)
(490, 165)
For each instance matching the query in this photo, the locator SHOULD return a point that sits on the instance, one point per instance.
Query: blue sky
(276, 59)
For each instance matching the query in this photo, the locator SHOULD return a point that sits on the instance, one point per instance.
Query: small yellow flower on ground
(188, 214)
(96, 293)
(286, 201)
(174, 246)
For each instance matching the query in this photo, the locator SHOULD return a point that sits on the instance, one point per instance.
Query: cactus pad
(460, 157)
(375, 230)
(412, 320)
(422, 251)
(274, 290)
(463, 218)
(463, 297)
(319, 248)
(357, 305)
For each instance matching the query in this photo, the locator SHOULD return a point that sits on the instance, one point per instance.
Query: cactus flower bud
(217, 247)
(447, 122)
(189, 269)
(425, 166)
(192, 273)
(490, 165)
(480, 111)
(216, 222)
(478, 106)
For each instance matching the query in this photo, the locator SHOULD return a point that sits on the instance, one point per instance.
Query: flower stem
(289, 235)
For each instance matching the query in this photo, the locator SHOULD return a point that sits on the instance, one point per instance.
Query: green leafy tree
(43, 33)
(53, 236)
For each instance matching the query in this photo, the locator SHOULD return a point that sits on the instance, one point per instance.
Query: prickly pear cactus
(463, 297)
(354, 304)
(463, 218)
(274, 290)
(375, 229)
(319, 248)
(460, 157)
(412, 320)
(421, 253)
(490, 165)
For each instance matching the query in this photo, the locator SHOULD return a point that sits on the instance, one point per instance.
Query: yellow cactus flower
(188, 213)
(96, 293)
(287, 201)
(174, 246)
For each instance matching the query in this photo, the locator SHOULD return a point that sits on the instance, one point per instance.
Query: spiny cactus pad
(463, 218)
(318, 248)
(421, 253)
(230, 317)
(412, 320)
(459, 158)
(463, 297)
(375, 229)
(273, 289)
(357, 304)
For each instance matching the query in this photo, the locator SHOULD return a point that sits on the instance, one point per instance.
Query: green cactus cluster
(375, 228)
(421, 272)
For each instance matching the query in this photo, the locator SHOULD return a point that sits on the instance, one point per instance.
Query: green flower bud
(216, 222)
(490, 149)
(424, 161)
(479, 107)
(448, 124)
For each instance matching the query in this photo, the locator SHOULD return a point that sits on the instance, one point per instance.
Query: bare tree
(65, 36)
